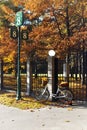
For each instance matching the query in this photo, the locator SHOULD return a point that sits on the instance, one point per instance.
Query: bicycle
(43, 94)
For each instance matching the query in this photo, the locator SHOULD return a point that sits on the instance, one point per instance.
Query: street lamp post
(51, 72)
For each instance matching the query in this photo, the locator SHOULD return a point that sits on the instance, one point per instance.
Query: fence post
(1, 74)
(55, 75)
(29, 77)
(86, 72)
(51, 73)
(66, 69)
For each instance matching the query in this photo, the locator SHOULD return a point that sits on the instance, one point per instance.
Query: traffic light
(24, 34)
(13, 32)
(19, 19)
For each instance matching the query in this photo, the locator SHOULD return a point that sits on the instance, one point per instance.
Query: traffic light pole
(18, 96)
(19, 19)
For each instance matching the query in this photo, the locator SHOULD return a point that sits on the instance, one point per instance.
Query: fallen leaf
(70, 109)
(43, 124)
(32, 110)
(67, 121)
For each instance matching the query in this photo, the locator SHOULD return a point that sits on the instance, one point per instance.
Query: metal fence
(39, 73)
(77, 77)
(77, 64)
(76, 80)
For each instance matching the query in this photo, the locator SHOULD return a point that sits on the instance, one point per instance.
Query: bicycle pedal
(54, 95)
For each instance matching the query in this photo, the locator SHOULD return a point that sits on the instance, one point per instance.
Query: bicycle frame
(44, 94)
(46, 88)
(57, 94)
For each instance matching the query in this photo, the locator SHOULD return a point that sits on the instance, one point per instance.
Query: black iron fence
(77, 76)
(39, 73)
(77, 65)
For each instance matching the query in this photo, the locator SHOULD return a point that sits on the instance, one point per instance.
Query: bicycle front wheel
(42, 95)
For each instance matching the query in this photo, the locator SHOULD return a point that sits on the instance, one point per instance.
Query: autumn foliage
(56, 24)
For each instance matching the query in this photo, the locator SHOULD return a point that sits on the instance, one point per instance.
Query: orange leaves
(7, 10)
(6, 44)
(78, 37)
(8, 13)
(36, 6)
(52, 31)
(19, 2)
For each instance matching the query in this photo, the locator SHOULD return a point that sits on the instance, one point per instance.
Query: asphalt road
(49, 118)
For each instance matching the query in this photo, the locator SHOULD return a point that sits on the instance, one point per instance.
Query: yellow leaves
(9, 14)
(19, 2)
(6, 10)
(70, 108)
(1, 37)
(9, 99)
(11, 56)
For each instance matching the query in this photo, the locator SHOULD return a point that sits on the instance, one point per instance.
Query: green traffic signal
(19, 18)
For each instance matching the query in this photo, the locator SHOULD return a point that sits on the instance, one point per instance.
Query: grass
(9, 98)
(26, 102)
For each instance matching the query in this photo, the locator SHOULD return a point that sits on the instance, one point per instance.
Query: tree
(62, 20)
(56, 24)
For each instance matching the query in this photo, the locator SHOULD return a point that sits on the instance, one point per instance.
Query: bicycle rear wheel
(42, 95)
(66, 97)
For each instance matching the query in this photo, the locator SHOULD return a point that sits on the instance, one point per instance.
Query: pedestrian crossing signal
(24, 34)
(13, 32)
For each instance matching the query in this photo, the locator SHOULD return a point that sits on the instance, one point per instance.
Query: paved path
(49, 118)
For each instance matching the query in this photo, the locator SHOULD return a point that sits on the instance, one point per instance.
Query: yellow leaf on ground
(70, 108)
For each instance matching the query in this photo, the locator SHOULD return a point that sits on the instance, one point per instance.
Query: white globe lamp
(51, 53)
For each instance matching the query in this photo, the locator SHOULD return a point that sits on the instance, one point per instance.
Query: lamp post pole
(51, 73)
(19, 22)
(18, 67)
(19, 19)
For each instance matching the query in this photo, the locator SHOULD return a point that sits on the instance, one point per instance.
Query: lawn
(26, 102)
(9, 98)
